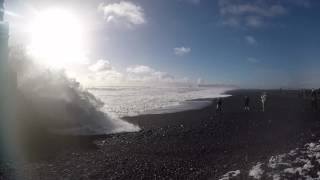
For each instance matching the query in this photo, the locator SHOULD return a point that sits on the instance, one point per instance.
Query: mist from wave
(48, 98)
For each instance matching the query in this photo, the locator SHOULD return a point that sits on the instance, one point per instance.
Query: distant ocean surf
(124, 101)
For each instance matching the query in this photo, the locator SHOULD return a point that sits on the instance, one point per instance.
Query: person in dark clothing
(246, 103)
(219, 105)
(314, 100)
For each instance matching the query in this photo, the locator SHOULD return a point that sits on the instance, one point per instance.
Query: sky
(248, 43)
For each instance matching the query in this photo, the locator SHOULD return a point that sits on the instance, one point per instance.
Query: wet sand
(195, 144)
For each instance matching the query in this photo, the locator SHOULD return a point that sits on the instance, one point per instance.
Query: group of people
(313, 95)
(314, 100)
(263, 99)
(246, 107)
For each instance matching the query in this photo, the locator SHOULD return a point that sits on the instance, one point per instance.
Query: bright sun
(57, 38)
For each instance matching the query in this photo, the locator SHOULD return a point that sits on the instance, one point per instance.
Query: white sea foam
(131, 101)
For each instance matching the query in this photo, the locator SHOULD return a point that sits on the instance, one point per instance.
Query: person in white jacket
(263, 101)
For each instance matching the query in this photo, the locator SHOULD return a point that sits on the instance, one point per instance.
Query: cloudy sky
(250, 43)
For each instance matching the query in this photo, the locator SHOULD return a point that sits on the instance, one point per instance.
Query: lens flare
(57, 38)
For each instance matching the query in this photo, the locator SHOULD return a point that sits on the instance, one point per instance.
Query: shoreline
(194, 144)
(128, 102)
(182, 106)
(187, 105)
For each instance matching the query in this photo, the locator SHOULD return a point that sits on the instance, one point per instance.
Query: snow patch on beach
(256, 172)
(131, 101)
(230, 175)
(299, 163)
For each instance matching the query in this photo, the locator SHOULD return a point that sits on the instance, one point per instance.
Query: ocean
(122, 101)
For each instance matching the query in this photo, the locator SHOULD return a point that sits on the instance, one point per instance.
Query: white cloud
(106, 76)
(103, 73)
(250, 40)
(100, 65)
(146, 73)
(180, 51)
(123, 12)
(253, 13)
(112, 75)
(140, 69)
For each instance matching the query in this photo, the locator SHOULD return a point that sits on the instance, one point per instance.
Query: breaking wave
(49, 98)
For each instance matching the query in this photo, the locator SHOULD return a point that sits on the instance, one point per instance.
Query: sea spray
(59, 103)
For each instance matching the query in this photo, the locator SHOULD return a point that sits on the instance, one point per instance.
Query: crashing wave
(49, 98)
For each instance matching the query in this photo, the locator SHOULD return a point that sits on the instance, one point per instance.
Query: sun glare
(57, 38)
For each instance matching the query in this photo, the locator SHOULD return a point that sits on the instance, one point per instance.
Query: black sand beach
(196, 144)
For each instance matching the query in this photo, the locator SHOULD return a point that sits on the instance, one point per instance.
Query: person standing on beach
(219, 105)
(246, 103)
(314, 100)
(263, 100)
